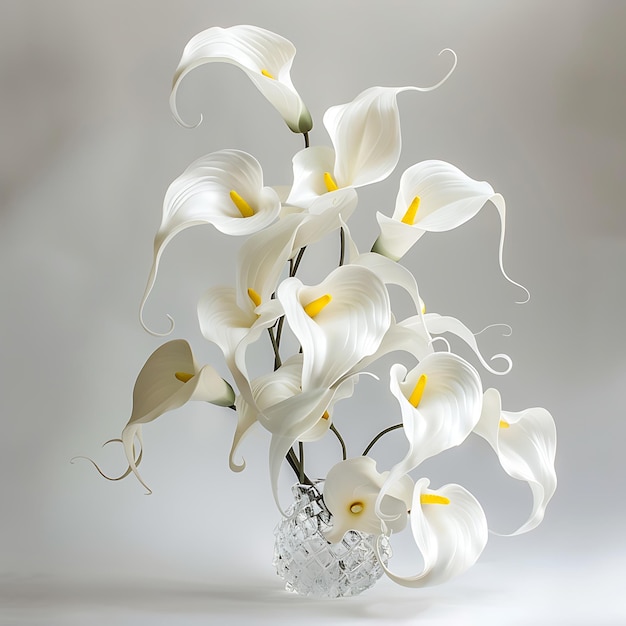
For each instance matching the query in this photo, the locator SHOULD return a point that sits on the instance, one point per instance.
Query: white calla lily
(263, 55)
(366, 139)
(170, 378)
(350, 492)
(436, 196)
(440, 400)
(223, 188)
(525, 443)
(337, 322)
(450, 529)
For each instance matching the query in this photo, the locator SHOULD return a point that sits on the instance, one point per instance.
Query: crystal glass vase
(312, 566)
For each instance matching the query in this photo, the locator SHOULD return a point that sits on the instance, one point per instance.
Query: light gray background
(88, 148)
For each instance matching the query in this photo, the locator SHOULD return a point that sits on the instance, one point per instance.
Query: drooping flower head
(435, 196)
(170, 378)
(525, 443)
(264, 56)
(450, 529)
(224, 189)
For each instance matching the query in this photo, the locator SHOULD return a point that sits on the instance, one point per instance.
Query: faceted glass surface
(312, 566)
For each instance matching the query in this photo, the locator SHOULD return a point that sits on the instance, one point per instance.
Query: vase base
(312, 566)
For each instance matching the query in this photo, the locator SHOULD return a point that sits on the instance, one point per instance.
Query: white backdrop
(88, 149)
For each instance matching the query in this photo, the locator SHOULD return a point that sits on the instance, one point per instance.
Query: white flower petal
(344, 390)
(526, 449)
(233, 329)
(158, 390)
(411, 335)
(287, 420)
(290, 414)
(366, 134)
(235, 354)
(246, 418)
(411, 338)
(257, 52)
(448, 198)
(450, 536)
(201, 195)
(346, 330)
(325, 215)
(448, 411)
(221, 319)
(350, 491)
(309, 166)
(262, 259)
(396, 238)
(392, 274)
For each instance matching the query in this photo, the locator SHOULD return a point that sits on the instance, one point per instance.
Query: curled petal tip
(508, 360)
(452, 52)
(153, 332)
(445, 78)
(237, 468)
(507, 332)
(448, 346)
(181, 122)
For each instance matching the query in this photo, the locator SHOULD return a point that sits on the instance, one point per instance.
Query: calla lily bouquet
(342, 324)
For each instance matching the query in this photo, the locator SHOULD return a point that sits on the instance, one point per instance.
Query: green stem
(292, 459)
(301, 451)
(279, 332)
(342, 239)
(344, 452)
(306, 139)
(379, 435)
(275, 345)
(294, 265)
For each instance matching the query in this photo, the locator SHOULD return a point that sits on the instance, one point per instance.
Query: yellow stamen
(357, 507)
(326, 415)
(266, 73)
(254, 296)
(411, 212)
(504, 424)
(423, 308)
(329, 181)
(433, 498)
(313, 308)
(183, 376)
(244, 208)
(418, 391)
